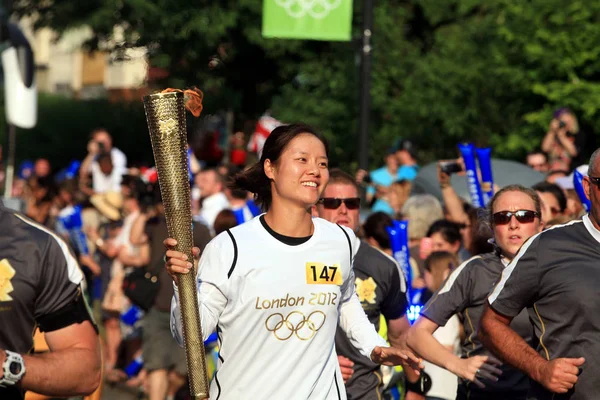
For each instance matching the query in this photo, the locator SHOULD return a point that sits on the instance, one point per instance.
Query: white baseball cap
(566, 182)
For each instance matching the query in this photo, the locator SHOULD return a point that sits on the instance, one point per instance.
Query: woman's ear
(269, 168)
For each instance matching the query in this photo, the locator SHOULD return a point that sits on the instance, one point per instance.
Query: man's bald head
(594, 165)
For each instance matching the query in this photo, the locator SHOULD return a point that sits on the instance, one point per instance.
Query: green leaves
(443, 71)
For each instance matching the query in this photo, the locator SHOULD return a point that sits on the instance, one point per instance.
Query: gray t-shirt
(464, 293)
(382, 291)
(556, 275)
(39, 280)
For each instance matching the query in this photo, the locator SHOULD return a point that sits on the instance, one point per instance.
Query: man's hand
(443, 178)
(88, 261)
(559, 375)
(92, 233)
(346, 368)
(392, 356)
(360, 176)
(477, 367)
(92, 147)
(554, 125)
(418, 283)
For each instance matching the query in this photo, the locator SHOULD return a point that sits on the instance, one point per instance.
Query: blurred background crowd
(120, 216)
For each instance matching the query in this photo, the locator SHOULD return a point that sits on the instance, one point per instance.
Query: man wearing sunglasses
(556, 276)
(380, 287)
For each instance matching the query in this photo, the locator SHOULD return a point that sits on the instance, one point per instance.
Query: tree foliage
(64, 125)
(443, 71)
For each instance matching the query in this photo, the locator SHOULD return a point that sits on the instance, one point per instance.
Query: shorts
(159, 348)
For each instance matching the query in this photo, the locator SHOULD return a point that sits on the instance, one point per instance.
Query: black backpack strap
(235, 254)
(349, 242)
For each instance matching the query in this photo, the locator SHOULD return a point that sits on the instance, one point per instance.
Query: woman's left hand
(392, 356)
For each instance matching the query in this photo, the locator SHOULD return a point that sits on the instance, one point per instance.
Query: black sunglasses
(595, 181)
(523, 216)
(333, 203)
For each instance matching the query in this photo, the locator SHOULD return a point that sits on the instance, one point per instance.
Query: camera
(367, 179)
(561, 124)
(101, 147)
(450, 167)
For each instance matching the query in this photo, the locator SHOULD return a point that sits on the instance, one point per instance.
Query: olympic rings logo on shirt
(317, 9)
(305, 328)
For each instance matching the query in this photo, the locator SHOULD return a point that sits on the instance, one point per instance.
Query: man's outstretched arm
(558, 375)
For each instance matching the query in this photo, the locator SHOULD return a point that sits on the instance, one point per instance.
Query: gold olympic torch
(165, 114)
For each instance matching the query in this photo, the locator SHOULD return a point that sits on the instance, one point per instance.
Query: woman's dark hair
(374, 227)
(46, 182)
(236, 193)
(555, 190)
(254, 178)
(225, 220)
(481, 232)
(449, 230)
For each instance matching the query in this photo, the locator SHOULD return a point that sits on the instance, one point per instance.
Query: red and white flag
(264, 127)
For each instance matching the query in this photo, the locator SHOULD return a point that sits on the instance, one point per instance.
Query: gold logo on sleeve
(305, 328)
(365, 289)
(6, 274)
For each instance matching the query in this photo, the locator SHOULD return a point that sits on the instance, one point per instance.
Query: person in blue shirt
(381, 179)
(407, 159)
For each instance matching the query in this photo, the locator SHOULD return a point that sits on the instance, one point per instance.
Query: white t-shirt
(445, 383)
(277, 310)
(102, 183)
(123, 238)
(211, 207)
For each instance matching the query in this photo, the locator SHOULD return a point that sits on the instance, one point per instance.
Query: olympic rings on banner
(317, 9)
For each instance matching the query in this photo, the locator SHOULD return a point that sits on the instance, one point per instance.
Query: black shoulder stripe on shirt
(235, 254)
(220, 340)
(349, 243)
(218, 385)
(337, 387)
(220, 358)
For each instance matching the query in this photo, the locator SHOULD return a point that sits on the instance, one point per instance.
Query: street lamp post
(365, 84)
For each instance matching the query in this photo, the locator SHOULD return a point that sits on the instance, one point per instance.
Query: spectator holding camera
(105, 163)
(559, 142)
(453, 204)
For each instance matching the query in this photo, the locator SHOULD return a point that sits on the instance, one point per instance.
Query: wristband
(421, 386)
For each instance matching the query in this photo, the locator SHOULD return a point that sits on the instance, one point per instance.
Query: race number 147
(321, 274)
